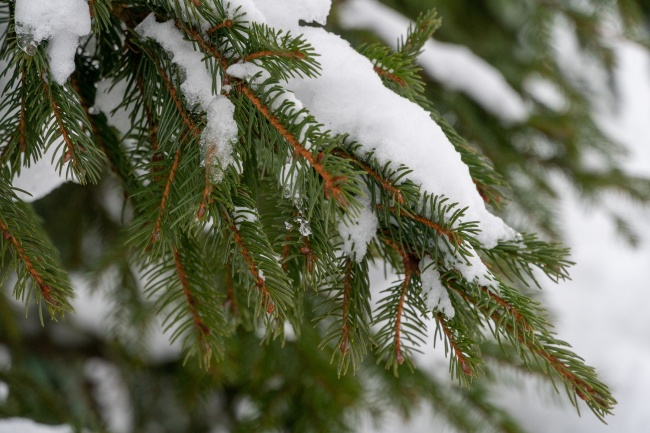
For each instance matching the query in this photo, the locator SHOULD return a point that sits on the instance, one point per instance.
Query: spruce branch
(31, 255)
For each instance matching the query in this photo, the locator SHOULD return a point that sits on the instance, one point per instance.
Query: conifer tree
(264, 166)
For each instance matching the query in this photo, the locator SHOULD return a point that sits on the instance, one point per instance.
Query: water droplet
(288, 226)
(26, 43)
(93, 111)
(304, 227)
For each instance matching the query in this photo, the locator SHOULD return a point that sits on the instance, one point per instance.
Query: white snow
(287, 13)
(219, 135)
(433, 291)
(247, 7)
(111, 393)
(350, 98)
(455, 66)
(221, 130)
(62, 22)
(23, 425)
(40, 178)
(108, 97)
(197, 85)
(358, 229)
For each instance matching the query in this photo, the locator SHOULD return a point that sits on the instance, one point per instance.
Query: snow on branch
(454, 65)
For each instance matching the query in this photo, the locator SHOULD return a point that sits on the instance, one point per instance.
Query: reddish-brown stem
(200, 326)
(46, 290)
(408, 269)
(579, 386)
(460, 357)
(385, 183)
(331, 182)
(453, 237)
(265, 295)
(509, 308)
(226, 24)
(69, 154)
(269, 53)
(187, 120)
(163, 203)
(392, 77)
(205, 45)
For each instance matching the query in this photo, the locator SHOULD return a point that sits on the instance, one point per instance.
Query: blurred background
(555, 93)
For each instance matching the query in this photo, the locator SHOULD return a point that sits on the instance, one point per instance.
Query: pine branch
(39, 274)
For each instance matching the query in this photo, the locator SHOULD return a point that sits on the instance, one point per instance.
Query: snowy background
(602, 311)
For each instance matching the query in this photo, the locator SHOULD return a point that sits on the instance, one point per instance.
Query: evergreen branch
(269, 53)
(180, 107)
(266, 299)
(348, 304)
(516, 325)
(331, 187)
(408, 269)
(225, 24)
(390, 76)
(451, 235)
(385, 183)
(69, 155)
(200, 326)
(456, 349)
(46, 290)
(34, 258)
(72, 124)
(170, 179)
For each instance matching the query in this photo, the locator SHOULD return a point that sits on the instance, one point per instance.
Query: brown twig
(392, 77)
(409, 267)
(265, 295)
(449, 234)
(200, 326)
(460, 357)
(226, 24)
(69, 154)
(331, 182)
(269, 53)
(163, 203)
(46, 290)
(385, 183)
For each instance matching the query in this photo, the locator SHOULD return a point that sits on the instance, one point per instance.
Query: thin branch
(189, 123)
(69, 154)
(509, 308)
(449, 234)
(269, 53)
(464, 365)
(226, 24)
(408, 269)
(200, 326)
(392, 77)
(265, 295)
(163, 203)
(385, 183)
(331, 182)
(46, 290)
